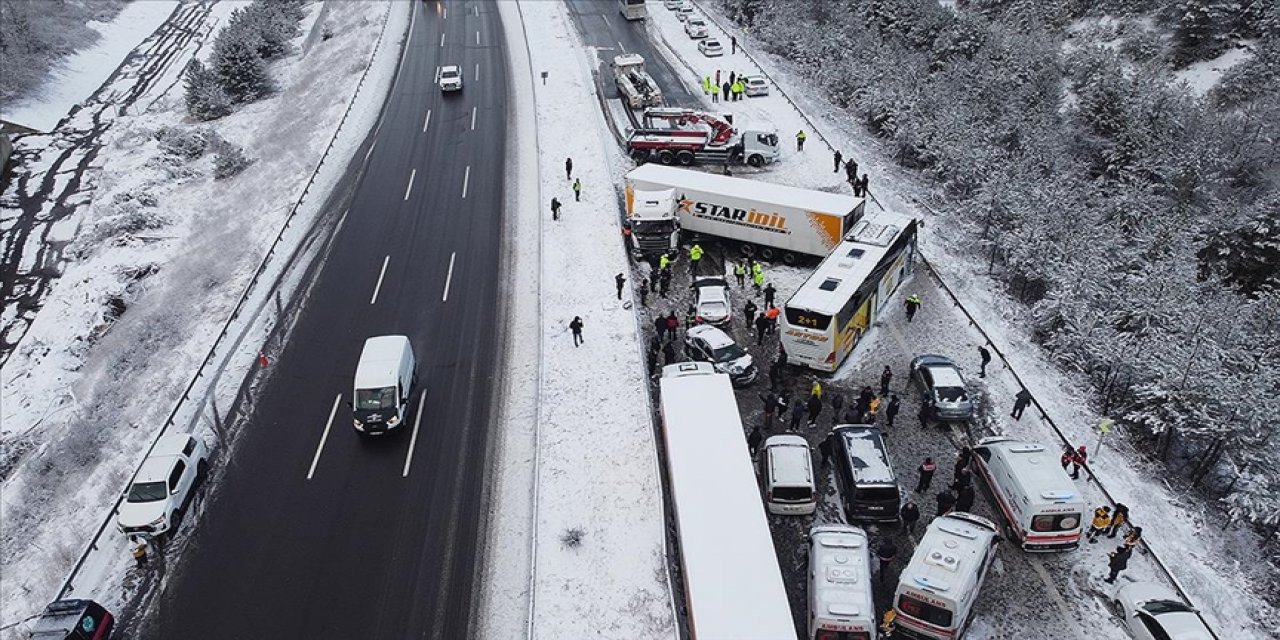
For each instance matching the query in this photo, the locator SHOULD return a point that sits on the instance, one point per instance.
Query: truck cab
(652, 218)
(385, 378)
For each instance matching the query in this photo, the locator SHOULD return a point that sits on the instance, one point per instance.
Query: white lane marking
(473, 118)
(409, 188)
(477, 72)
(449, 278)
(370, 151)
(381, 274)
(325, 437)
(606, 20)
(477, 37)
(621, 48)
(466, 178)
(408, 459)
(427, 121)
(445, 13)
(442, 39)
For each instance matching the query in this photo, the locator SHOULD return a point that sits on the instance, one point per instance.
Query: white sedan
(712, 301)
(1153, 612)
(695, 28)
(711, 48)
(757, 86)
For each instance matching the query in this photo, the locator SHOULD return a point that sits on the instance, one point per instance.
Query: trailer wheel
(756, 160)
(746, 249)
(666, 157)
(640, 155)
(790, 259)
(768, 253)
(685, 158)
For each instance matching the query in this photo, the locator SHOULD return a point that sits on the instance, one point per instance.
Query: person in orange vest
(772, 314)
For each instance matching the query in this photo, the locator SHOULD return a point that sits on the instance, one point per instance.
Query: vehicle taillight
(831, 357)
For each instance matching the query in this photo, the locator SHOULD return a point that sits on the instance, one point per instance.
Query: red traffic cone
(262, 359)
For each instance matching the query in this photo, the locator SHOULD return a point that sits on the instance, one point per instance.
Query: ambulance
(1039, 500)
(938, 588)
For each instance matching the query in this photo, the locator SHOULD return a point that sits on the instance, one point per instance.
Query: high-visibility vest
(695, 253)
(663, 261)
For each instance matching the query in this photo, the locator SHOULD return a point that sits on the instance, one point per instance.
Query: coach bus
(732, 584)
(832, 310)
(633, 9)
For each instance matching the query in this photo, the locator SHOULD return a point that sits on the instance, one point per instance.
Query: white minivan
(385, 378)
(936, 591)
(787, 473)
(1036, 496)
(840, 598)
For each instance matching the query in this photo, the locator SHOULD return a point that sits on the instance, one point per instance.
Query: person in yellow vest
(664, 262)
(1101, 521)
(887, 623)
(695, 254)
(740, 274)
(816, 389)
(800, 140)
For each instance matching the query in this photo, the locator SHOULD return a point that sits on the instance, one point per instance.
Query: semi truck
(672, 135)
(635, 85)
(760, 219)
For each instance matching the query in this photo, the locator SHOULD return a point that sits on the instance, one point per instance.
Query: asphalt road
(603, 28)
(314, 531)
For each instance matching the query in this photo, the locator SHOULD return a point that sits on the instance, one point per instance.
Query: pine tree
(236, 62)
(206, 100)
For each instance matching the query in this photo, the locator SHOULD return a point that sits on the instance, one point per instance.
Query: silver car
(712, 301)
(709, 344)
(944, 390)
(711, 48)
(757, 86)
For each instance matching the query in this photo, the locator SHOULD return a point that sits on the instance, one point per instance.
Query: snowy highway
(315, 531)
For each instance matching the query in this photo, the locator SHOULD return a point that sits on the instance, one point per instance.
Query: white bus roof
(1037, 471)
(949, 557)
(840, 274)
(733, 585)
(756, 190)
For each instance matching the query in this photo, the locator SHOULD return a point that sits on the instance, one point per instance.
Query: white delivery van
(385, 378)
(840, 598)
(936, 591)
(1036, 496)
(788, 476)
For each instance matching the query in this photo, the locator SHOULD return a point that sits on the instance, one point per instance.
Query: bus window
(808, 319)
(921, 610)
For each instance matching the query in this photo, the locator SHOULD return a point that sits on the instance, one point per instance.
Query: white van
(385, 378)
(936, 591)
(787, 472)
(1038, 498)
(840, 598)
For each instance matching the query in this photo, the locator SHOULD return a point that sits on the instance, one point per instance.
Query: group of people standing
(732, 90)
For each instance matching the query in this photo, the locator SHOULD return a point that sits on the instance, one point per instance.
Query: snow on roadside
(81, 73)
(1207, 566)
(601, 562)
(64, 387)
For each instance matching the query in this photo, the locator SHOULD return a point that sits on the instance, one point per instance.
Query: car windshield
(370, 399)
(1158, 607)
(449, 74)
(952, 394)
(728, 353)
(147, 492)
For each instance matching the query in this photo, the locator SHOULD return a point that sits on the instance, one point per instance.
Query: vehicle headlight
(393, 421)
(157, 521)
(359, 425)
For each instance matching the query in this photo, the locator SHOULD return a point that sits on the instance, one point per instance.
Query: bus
(830, 312)
(633, 9)
(732, 583)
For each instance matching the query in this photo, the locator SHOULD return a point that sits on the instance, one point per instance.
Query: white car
(164, 486)
(709, 344)
(672, 5)
(711, 48)
(1153, 612)
(449, 78)
(712, 301)
(684, 12)
(757, 86)
(695, 28)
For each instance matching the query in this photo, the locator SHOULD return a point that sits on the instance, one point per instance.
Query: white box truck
(761, 219)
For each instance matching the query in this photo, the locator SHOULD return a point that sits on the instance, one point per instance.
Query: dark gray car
(945, 392)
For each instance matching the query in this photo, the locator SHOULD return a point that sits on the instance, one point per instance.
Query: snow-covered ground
(1204, 75)
(180, 247)
(81, 73)
(598, 553)
(1206, 562)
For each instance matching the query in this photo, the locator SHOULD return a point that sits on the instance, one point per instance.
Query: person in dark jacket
(769, 293)
(575, 326)
(618, 281)
(837, 403)
(885, 553)
(910, 514)
(669, 352)
(851, 415)
(664, 280)
(797, 413)
(1118, 518)
(926, 475)
(962, 461)
(775, 375)
(726, 88)
(762, 327)
(815, 408)
(964, 498)
(753, 440)
(568, 168)
(839, 156)
(673, 325)
(749, 311)
(1020, 403)
(986, 360)
(891, 411)
(886, 377)
(644, 292)
(946, 502)
(651, 358)
(961, 480)
(864, 399)
(1117, 561)
(824, 448)
(555, 208)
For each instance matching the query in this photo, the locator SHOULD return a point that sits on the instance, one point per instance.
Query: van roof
(379, 365)
(1036, 471)
(789, 460)
(948, 558)
(840, 557)
(866, 453)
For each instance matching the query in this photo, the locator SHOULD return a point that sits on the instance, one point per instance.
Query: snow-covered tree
(206, 99)
(236, 60)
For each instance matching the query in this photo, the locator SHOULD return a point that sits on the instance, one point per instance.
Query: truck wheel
(768, 253)
(747, 250)
(756, 160)
(640, 155)
(666, 157)
(685, 158)
(790, 259)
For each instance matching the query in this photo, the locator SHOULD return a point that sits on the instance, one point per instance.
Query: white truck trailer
(769, 220)
(635, 85)
(732, 584)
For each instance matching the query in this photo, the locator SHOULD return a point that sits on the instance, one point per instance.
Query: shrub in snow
(229, 160)
(572, 538)
(206, 99)
(183, 142)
